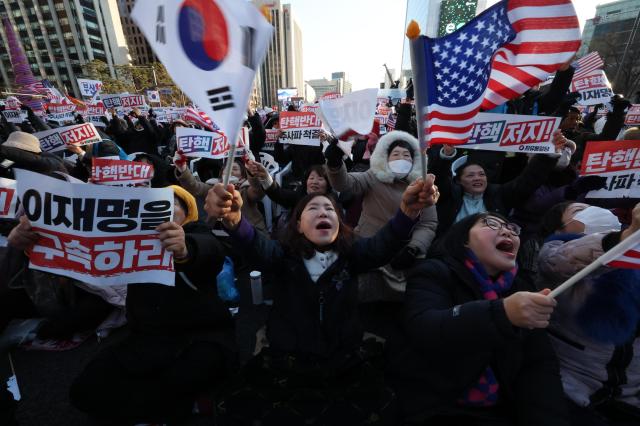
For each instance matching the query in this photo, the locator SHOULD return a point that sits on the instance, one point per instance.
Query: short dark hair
(453, 243)
(402, 144)
(460, 170)
(296, 243)
(552, 220)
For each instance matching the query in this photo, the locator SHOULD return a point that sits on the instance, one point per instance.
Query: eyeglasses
(497, 225)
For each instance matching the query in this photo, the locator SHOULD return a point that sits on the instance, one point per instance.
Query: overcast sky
(358, 36)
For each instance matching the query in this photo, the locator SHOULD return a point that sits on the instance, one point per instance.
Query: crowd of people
(398, 297)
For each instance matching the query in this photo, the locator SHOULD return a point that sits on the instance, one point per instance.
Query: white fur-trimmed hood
(379, 164)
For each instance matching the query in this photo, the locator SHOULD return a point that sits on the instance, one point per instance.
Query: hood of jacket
(379, 163)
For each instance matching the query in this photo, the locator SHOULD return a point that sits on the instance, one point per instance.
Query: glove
(333, 154)
(405, 258)
(180, 160)
(584, 184)
(620, 105)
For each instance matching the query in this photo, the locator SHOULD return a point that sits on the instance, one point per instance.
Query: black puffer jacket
(41, 163)
(453, 334)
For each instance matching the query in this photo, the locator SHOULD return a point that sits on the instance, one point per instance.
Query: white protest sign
(106, 171)
(15, 115)
(300, 128)
(88, 87)
(8, 198)
(216, 65)
(202, 143)
(354, 111)
(513, 133)
(619, 162)
(593, 87)
(153, 96)
(57, 139)
(61, 108)
(97, 234)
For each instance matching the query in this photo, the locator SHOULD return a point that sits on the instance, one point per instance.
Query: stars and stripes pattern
(586, 64)
(629, 260)
(496, 57)
(199, 118)
(391, 122)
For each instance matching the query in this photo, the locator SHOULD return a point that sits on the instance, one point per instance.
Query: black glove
(333, 154)
(620, 105)
(405, 258)
(584, 184)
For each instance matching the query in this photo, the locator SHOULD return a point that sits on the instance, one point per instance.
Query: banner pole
(229, 165)
(607, 257)
(419, 90)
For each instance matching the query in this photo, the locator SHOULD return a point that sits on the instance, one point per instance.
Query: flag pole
(607, 257)
(229, 165)
(419, 89)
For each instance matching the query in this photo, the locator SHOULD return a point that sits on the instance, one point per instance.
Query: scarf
(485, 392)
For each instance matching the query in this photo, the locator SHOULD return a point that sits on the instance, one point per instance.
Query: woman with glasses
(476, 351)
(596, 328)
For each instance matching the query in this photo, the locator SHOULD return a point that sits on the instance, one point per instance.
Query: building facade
(614, 33)
(140, 50)
(337, 84)
(60, 36)
(282, 66)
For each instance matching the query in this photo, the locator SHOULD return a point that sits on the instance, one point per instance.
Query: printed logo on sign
(203, 33)
(487, 132)
(529, 132)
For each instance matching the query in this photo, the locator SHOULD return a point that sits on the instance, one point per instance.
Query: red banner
(610, 156)
(117, 172)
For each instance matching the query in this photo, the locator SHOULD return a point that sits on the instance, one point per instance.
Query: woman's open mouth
(324, 225)
(506, 246)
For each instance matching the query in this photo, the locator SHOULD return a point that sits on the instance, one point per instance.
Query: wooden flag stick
(607, 257)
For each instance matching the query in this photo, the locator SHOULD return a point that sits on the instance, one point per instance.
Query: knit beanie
(189, 201)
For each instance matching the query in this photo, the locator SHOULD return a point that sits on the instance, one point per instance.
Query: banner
(153, 96)
(593, 87)
(315, 108)
(131, 101)
(88, 88)
(271, 140)
(354, 111)
(15, 115)
(8, 198)
(202, 143)
(211, 49)
(513, 133)
(619, 162)
(396, 95)
(331, 95)
(97, 234)
(633, 116)
(300, 128)
(57, 139)
(111, 101)
(120, 172)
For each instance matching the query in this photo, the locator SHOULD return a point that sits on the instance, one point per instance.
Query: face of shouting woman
(319, 222)
(495, 243)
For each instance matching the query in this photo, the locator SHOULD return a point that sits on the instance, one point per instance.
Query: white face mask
(596, 219)
(400, 168)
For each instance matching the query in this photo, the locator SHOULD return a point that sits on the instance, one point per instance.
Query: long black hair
(296, 243)
(552, 220)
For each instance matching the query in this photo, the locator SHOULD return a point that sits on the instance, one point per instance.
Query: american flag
(200, 118)
(497, 56)
(586, 64)
(629, 260)
(391, 122)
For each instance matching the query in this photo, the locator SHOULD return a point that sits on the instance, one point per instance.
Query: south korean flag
(211, 49)
(153, 96)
